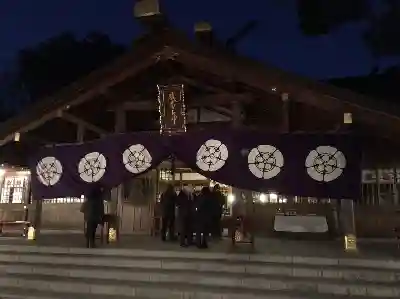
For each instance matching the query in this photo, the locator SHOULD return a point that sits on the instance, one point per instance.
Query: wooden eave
(143, 55)
(231, 68)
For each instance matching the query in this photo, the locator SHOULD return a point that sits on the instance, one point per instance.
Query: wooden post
(285, 128)
(347, 205)
(26, 200)
(395, 187)
(37, 221)
(117, 202)
(285, 113)
(237, 122)
(80, 137)
(236, 114)
(80, 133)
(377, 186)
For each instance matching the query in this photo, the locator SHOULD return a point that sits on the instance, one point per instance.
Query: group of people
(197, 214)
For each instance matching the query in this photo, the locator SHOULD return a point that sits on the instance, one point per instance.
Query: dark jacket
(185, 205)
(202, 205)
(94, 206)
(218, 203)
(168, 202)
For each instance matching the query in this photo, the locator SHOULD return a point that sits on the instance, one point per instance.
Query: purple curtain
(73, 170)
(322, 166)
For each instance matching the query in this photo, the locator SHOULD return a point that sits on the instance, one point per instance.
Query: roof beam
(31, 126)
(211, 101)
(78, 121)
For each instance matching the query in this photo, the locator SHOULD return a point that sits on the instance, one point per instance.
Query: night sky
(276, 40)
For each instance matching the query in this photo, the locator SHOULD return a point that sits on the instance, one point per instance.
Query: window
(14, 189)
(165, 175)
(65, 200)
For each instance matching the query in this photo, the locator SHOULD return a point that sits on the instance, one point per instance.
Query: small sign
(172, 109)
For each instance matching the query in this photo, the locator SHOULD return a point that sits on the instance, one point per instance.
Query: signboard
(172, 109)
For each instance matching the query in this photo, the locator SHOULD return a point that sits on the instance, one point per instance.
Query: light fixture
(23, 173)
(347, 118)
(231, 198)
(263, 198)
(273, 196)
(17, 136)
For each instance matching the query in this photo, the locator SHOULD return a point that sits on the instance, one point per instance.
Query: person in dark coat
(185, 211)
(218, 203)
(94, 212)
(202, 216)
(168, 202)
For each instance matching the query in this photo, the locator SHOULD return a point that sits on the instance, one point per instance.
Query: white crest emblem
(265, 161)
(92, 167)
(49, 171)
(325, 163)
(212, 155)
(137, 158)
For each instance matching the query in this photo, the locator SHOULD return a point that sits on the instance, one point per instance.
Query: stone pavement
(270, 246)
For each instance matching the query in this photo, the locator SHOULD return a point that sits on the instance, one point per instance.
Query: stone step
(204, 255)
(225, 264)
(206, 267)
(189, 274)
(253, 283)
(100, 287)
(13, 293)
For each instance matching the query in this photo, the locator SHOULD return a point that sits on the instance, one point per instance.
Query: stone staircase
(32, 272)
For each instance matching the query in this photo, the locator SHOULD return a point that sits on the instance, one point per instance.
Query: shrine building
(212, 89)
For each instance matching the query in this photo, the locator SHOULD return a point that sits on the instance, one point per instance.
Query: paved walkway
(367, 249)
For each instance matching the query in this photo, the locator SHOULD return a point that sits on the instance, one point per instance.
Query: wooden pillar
(395, 187)
(236, 114)
(285, 113)
(80, 133)
(347, 205)
(117, 193)
(285, 128)
(377, 187)
(237, 122)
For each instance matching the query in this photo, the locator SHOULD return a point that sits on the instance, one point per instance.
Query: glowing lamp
(273, 196)
(350, 243)
(112, 235)
(263, 198)
(347, 118)
(231, 198)
(31, 233)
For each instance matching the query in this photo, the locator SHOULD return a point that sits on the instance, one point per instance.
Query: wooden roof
(232, 69)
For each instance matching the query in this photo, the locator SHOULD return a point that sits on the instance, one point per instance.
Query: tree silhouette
(320, 17)
(60, 60)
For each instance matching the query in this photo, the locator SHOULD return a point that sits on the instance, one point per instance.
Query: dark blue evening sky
(277, 39)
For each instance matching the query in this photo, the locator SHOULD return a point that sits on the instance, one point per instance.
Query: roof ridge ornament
(167, 53)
